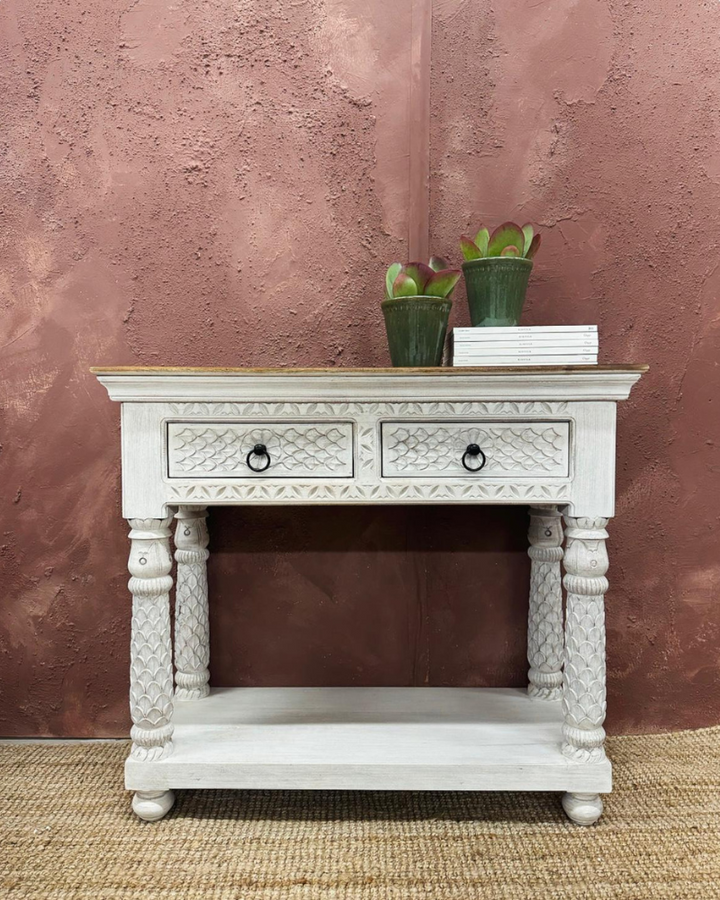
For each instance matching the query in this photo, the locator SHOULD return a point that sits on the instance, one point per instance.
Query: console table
(193, 438)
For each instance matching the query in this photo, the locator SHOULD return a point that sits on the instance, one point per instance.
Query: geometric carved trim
(367, 456)
(408, 408)
(419, 449)
(352, 492)
(295, 449)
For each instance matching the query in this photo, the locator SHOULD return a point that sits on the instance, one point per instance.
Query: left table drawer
(284, 450)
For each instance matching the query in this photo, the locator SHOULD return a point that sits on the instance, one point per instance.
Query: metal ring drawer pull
(258, 450)
(472, 451)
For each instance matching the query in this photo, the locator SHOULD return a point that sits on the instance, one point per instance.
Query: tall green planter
(496, 287)
(416, 328)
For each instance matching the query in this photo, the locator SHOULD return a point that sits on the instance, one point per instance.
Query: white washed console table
(192, 438)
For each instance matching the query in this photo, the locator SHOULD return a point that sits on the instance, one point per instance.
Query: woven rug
(66, 832)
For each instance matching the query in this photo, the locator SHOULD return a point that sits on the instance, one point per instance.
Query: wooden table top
(449, 371)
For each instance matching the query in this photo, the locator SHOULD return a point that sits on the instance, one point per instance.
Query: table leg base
(583, 809)
(151, 806)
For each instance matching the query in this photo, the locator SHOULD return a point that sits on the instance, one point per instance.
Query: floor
(66, 832)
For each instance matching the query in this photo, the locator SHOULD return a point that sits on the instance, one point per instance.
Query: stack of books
(541, 345)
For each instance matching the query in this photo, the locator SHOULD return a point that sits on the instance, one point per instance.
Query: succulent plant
(416, 279)
(508, 239)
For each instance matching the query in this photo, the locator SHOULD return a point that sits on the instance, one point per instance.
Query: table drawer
(294, 449)
(511, 449)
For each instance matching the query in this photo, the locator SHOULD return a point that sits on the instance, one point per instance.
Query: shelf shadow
(503, 807)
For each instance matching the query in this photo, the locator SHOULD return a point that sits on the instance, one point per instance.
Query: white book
(505, 364)
(560, 360)
(490, 333)
(513, 363)
(491, 350)
(548, 343)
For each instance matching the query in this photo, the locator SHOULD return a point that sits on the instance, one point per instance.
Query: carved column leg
(192, 633)
(151, 694)
(545, 616)
(586, 562)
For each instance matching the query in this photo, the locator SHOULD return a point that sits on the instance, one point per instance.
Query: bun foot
(152, 805)
(583, 809)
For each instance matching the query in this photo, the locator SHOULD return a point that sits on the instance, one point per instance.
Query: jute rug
(66, 832)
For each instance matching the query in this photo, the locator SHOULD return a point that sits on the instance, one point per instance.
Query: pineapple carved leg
(586, 563)
(151, 688)
(545, 614)
(192, 632)
(584, 692)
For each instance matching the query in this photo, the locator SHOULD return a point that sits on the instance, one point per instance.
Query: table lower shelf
(479, 739)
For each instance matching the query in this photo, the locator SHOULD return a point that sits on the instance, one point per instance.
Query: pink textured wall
(600, 121)
(223, 183)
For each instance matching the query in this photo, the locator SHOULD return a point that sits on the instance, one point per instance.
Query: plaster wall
(224, 183)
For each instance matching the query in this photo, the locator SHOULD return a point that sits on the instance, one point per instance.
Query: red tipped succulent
(417, 279)
(508, 239)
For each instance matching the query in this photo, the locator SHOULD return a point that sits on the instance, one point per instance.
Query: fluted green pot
(416, 328)
(496, 287)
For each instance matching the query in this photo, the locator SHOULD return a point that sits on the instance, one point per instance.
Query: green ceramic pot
(416, 328)
(496, 289)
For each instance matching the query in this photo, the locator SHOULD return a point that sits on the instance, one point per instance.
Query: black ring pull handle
(258, 450)
(472, 452)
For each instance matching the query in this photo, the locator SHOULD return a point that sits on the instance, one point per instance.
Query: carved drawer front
(260, 450)
(489, 449)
